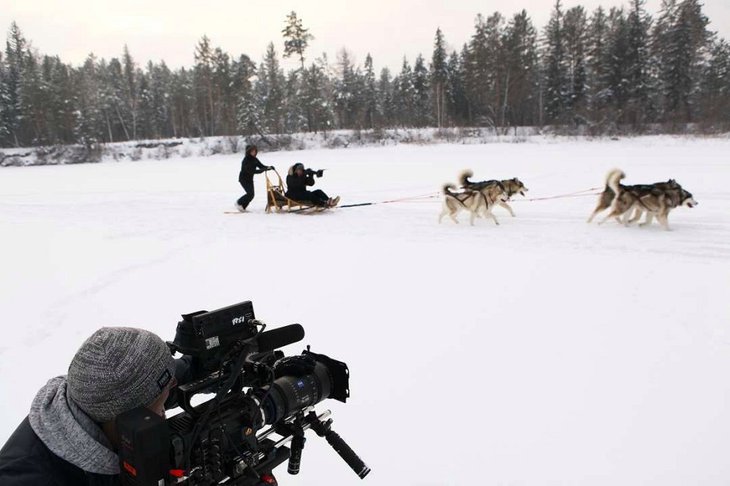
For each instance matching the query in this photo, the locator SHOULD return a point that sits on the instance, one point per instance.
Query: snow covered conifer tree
(404, 96)
(90, 111)
(271, 84)
(519, 97)
(421, 94)
(680, 39)
(596, 66)
(296, 37)
(386, 115)
(439, 77)
(574, 35)
(457, 103)
(716, 85)
(14, 52)
(370, 94)
(203, 85)
(4, 100)
(131, 93)
(555, 82)
(637, 64)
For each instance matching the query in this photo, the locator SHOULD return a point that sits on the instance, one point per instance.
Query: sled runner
(276, 198)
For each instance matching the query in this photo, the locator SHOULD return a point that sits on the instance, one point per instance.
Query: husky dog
(656, 199)
(478, 203)
(606, 198)
(613, 178)
(510, 186)
(658, 203)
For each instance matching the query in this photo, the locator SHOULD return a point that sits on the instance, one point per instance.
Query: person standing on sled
(297, 181)
(250, 165)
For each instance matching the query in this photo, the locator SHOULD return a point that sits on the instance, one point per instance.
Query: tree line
(603, 69)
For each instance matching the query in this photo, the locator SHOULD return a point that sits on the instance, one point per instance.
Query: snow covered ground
(544, 351)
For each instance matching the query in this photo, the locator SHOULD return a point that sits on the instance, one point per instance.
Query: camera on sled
(312, 172)
(259, 405)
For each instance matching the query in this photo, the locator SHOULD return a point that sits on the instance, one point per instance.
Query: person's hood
(68, 432)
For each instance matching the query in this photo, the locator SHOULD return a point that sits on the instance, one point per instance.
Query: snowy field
(544, 351)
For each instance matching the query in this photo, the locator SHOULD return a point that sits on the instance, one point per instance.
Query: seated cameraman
(69, 437)
(297, 180)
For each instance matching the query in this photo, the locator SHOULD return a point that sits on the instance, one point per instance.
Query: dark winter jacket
(250, 165)
(58, 444)
(297, 186)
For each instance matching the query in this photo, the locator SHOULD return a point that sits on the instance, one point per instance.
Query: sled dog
(656, 200)
(510, 186)
(478, 203)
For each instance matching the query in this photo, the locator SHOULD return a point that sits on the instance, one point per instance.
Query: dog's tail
(448, 188)
(464, 178)
(613, 178)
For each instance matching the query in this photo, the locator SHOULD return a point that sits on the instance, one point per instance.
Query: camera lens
(291, 393)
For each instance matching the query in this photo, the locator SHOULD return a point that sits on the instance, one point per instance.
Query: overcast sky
(169, 29)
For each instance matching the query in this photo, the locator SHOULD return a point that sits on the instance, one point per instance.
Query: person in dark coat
(297, 181)
(250, 165)
(69, 437)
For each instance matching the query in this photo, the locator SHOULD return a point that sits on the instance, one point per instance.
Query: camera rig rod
(322, 425)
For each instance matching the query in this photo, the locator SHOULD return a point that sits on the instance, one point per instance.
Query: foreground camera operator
(70, 437)
(297, 181)
(104, 423)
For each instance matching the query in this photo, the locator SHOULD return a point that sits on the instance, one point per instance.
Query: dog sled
(276, 199)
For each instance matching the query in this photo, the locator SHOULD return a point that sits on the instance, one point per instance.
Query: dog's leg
(637, 216)
(507, 207)
(489, 211)
(606, 218)
(664, 221)
(649, 219)
(593, 215)
(626, 217)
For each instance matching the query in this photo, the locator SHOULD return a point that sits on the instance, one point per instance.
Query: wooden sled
(277, 200)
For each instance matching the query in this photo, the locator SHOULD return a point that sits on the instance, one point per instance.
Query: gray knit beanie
(118, 369)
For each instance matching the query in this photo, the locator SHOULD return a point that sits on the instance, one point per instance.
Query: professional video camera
(312, 172)
(222, 440)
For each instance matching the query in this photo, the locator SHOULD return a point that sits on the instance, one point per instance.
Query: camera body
(312, 172)
(222, 441)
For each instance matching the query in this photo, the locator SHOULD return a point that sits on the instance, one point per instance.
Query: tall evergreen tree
(681, 38)
(716, 84)
(15, 49)
(556, 77)
(386, 111)
(439, 77)
(271, 87)
(637, 63)
(421, 93)
(575, 37)
(370, 94)
(131, 90)
(296, 37)
(346, 91)
(596, 66)
(89, 115)
(203, 85)
(520, 72)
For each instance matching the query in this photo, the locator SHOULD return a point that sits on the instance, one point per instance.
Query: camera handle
(323, 428)
(293, 433)
(296, 445)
